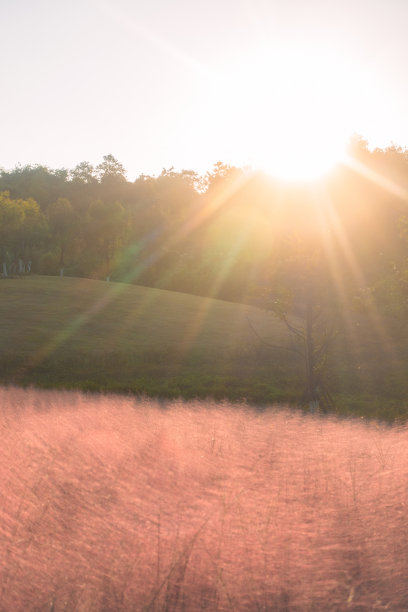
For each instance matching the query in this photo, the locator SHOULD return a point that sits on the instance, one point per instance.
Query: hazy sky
(186, 83)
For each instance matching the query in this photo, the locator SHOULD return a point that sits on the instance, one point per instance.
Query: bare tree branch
(275, 346)
(295, 330)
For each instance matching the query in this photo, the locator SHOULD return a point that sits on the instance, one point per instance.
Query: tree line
(222, 234)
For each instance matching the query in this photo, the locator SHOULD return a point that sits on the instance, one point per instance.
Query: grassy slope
(93, 335)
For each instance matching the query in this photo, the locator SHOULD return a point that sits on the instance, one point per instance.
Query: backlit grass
(112, 503)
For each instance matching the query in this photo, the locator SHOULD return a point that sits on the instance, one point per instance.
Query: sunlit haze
(280, 86)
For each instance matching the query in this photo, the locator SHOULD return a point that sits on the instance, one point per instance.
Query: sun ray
(77, 322)
(377, 178)
(337, 231)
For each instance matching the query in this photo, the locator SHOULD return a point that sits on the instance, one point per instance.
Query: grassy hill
(92, 335)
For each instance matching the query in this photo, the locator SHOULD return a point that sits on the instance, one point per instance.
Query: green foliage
(11, 217)
(84, 173)
(215, 235)
(110, 169)
(38, 182)
(22, 225)
(63, 224)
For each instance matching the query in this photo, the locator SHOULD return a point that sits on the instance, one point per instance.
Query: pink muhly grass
(112, 503)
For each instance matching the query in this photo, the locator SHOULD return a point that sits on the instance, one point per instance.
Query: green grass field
(92, 335)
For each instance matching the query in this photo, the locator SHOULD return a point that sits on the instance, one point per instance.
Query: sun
(304, 158)
(288, 111)
(300, 123)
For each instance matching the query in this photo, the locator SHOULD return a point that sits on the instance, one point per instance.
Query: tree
(11, 219)
(84, 173)
(163, 212)
(63, 224)
(31, 232)
(21, 226)
(38, 182)
(300, 292)
(106, 228)
(110, 169)
(390, 291)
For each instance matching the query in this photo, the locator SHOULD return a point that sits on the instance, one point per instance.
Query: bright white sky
(186, 83)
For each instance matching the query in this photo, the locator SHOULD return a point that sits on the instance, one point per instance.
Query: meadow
(91, 335)
(98, 336)
(116, 503)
